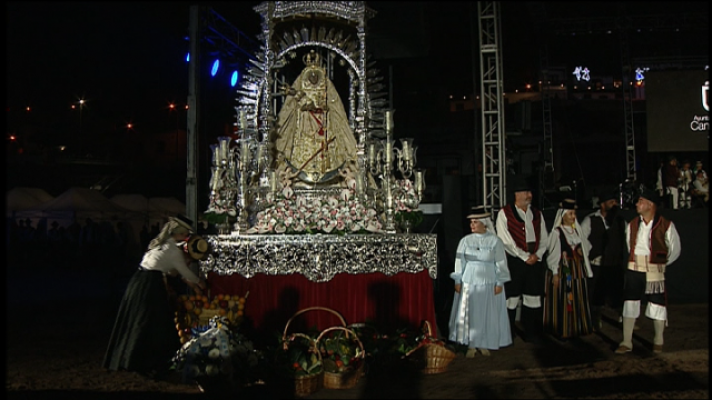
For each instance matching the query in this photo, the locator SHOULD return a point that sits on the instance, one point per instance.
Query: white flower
(280, 228)
(332, 202)
(212, 370)
(214, 353)
(345, 195)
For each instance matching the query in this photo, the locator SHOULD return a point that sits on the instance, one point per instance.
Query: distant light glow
(187, 57)
(12, 137)
(233, 78)
(216, 66)
(640, 73)
(582, 73)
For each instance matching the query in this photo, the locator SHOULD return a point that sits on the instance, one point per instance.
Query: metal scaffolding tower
(627, 87)
(206, 29)
(547, 178)
(492, 106)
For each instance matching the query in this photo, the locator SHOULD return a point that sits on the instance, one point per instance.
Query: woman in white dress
(479, 317)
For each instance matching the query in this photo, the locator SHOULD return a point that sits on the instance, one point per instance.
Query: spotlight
(233, 78)
(187, 57)
(216, 66)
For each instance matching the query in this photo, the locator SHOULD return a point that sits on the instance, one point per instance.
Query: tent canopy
(78, 204)
(23, 198)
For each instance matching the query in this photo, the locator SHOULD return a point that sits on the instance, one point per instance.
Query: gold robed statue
(314, 139)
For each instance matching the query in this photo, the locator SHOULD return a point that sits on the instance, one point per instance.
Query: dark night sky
(127, 58)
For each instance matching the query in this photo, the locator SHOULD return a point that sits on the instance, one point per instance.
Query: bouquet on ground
(217, 356)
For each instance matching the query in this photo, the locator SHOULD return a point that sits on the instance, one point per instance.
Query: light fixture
(233, 78)
(216, 66)
(187, 57)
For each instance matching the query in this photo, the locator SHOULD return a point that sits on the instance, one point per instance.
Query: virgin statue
(313, 135)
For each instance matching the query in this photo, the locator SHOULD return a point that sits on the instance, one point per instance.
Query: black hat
(609, 194)
(479, 212)
(646, 193)
(183, 221)
(568, 204)
(517, 183)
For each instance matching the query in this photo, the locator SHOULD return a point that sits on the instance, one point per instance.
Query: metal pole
(191, 183)
(475, 75)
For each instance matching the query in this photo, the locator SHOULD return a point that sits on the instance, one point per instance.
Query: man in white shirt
(523, 231)
(653, 244)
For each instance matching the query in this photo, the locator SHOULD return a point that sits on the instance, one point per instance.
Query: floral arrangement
(408, 340)
(218, 354)
(298, 357)
(193, 313)
(340, 353)
(291, 213)
(406, 204)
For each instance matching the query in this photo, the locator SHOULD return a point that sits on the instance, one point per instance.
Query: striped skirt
(567, 312)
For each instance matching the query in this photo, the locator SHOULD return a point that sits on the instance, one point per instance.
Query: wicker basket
(302, 311)
(307, 384)
(436, 356)
(347, 379)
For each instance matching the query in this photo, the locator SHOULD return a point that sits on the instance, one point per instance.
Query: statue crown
(311, 59)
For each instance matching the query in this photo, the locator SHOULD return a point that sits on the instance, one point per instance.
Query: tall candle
(419, 181)
(273, 181)
(245, 151)
(359, 184)
(243, 119)
(371, 153)
(389, 120)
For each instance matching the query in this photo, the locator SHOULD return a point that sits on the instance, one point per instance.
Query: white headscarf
(169, 229)
(577, 231)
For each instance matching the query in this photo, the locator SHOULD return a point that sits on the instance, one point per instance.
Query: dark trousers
(526, 280)
(606, 286)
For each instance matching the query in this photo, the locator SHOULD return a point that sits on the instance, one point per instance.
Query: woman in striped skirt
(566, 307)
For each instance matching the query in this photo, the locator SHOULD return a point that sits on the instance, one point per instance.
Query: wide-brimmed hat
(646, 193)
(478, 212)
(197, 247)
(184, 222)
(609, 194)
(568, 204)
(518, 183)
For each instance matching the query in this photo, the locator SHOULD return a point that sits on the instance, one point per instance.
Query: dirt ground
(55, 347)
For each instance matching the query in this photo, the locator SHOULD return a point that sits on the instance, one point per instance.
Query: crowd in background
(680, 186)
(76, 246)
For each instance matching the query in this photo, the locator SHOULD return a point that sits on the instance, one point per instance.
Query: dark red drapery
(389, 302)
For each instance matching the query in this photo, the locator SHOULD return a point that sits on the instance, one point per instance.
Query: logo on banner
(702, 122)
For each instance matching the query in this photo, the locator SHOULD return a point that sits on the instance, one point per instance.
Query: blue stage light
(187, 57)
(233, 78)
(216, 66)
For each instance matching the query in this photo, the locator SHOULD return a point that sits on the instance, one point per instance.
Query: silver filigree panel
(320, 257)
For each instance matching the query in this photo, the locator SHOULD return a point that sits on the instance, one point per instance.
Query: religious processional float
(311, 170)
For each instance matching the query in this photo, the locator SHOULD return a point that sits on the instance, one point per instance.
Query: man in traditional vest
(653, 244)
(523, 230)
(605, 231)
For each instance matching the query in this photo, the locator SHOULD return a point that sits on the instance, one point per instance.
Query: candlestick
(419, 181)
